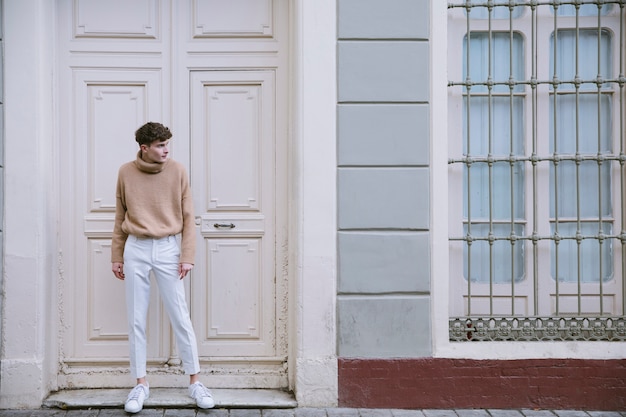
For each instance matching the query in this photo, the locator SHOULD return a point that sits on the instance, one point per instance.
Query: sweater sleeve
(188, 235)
(119, 237)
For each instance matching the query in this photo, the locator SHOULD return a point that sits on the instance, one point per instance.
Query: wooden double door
(215, 72)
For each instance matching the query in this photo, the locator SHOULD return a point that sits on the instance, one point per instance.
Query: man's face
(155, 152)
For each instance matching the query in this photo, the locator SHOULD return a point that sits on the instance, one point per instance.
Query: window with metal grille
(537, 169)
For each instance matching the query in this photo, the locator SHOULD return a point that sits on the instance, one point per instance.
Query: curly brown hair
(151, 132)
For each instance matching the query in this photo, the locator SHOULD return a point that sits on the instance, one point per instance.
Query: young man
(154, 206)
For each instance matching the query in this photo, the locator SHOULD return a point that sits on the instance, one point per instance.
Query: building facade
(434, 199)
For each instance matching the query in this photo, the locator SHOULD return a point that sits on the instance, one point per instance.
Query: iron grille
(541, 158)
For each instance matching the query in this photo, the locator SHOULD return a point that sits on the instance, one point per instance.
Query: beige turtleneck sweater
(154, 201)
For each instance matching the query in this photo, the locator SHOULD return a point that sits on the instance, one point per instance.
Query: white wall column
(313, 161)
(29, 319)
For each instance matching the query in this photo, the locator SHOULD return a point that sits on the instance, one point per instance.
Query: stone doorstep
(170, 398)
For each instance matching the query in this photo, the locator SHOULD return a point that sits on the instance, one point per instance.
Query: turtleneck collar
(149, 167)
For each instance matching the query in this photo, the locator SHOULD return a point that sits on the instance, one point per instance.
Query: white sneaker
(202, 395)
(136, 397)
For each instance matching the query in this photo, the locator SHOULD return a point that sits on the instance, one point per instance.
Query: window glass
(493, 127)
(500, 11)
(503, 61)
(584, 10)
(580, 191)
(589, 63)
(497, 263)
(593, 254)
(500, 138)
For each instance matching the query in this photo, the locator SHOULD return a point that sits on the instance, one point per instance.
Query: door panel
(231, 113)
(233, 181)
(258, 22)
(109, 105)
(239, 290)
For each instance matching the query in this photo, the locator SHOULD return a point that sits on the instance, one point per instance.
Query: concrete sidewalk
(304, 412)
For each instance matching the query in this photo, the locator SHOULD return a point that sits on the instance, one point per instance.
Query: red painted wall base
(572, 384)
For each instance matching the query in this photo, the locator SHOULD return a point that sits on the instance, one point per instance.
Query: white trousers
(161, 256)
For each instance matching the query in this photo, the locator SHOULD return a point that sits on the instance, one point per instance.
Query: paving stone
(375, 412)
(605, 414)
(55, 412)
(50, 412)
(82, 413)
(24, 413)
(180, 412)
(280, 412)
(537, 413)
(310, 412)
(505, 413)
(245, 412)
(472, 413)
(119, 412)
(212, 412)
(146, 412)
(342, 412)
(406, 413)
(571, 413)
(439, 413)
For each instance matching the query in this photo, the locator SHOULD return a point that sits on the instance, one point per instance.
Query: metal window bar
(557, 241)
(622, 152)
(512, 166)
(557, 326)
(599, 115)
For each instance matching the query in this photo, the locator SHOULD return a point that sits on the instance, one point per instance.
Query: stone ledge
(170, 398)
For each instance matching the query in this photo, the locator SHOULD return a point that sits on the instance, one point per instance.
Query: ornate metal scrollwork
(475, 329)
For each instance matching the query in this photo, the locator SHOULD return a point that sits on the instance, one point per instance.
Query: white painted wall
(29, 344)
(313, 356)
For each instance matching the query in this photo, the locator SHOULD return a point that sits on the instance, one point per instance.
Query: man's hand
(118, 270)
(183, 269)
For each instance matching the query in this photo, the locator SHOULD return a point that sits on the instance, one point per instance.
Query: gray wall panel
(388, 198)
(375, 19)
(384, 327)
(383, 262)
(2, 129)
(383, 134)
(383, 71)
